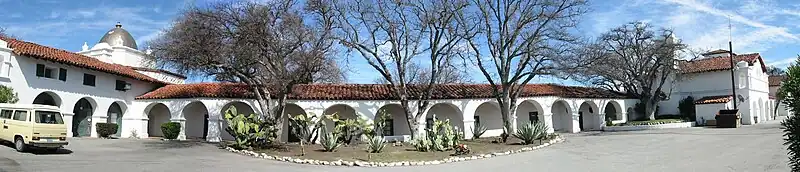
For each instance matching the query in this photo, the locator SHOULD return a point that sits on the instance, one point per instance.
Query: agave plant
(421, 144)
(478, 130)
(329, 142)
(529, 133)
(376, 144)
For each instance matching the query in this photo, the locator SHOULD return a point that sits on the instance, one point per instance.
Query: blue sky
(769, 27)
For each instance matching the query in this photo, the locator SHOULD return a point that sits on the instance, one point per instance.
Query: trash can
(728, 118)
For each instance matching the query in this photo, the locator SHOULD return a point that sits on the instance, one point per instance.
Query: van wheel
(20, 145)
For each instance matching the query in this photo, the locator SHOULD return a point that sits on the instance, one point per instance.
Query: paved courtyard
(750, 148)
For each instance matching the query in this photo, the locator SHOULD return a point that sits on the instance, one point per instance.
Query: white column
(601, 120)
(469, 125)
(548, 119)
(68, 122)
(182, 121)
(576, 125)
(214, 129)
(513, 121)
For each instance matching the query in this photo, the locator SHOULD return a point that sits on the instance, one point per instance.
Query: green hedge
(106, 129)
(171, 130)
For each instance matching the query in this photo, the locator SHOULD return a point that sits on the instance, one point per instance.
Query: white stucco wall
(20, 74)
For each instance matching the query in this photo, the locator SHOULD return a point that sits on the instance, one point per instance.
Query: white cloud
(733, 17)
(782, 63)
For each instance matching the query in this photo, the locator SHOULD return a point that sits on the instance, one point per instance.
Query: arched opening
(562, 117)
(196, 115)
(157, 114)
(396, 123)
(445, 111)
(115, 114)
(529, 111)
(588, 118)
(47, 98)
(612, 111)
(344, 112)
(82, 118)
(488, 115)
(291, 110)
(241, 108)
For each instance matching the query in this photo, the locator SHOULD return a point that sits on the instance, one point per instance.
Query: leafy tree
(7, 95)
(788, 93)
(635, 59)
(775, 71)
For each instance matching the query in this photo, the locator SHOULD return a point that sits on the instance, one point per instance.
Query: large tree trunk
(650, 108)
(413, 123)
(505, 111)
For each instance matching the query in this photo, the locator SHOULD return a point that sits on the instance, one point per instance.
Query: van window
(21, 115)
(6, 114)
(45, 117)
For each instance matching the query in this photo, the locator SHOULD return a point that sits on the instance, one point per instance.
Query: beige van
(32, 125)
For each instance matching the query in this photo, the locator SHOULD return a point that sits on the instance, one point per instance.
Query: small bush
(529, 133)
(687, 108)
(478, 130)
(376, 144)
(7, 95)
(171, 130)
(791, 133)
(107, 129)
(329, 142)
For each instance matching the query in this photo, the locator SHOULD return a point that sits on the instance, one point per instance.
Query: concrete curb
(340, 162)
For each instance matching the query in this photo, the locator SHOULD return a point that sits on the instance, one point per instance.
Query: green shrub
(7, 95)
(687, 108)
(330, 142)
(478, 130)
(107, 129)
(171, 130)
(529, 133)
(791, 133)
(376, 144)
(349, 129)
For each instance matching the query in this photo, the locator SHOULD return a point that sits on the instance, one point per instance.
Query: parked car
(32, 125)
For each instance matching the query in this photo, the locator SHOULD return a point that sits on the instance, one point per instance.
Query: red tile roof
(714, 99)
(776, 80)
(34, 50)
(719, 63)
(370, 91)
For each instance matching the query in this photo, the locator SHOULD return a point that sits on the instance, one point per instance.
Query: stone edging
(649, 127)
(340, 162)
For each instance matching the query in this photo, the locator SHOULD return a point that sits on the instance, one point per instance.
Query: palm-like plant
(529, 133)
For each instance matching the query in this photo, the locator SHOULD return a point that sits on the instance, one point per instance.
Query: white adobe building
(114, 82)
(708, 81)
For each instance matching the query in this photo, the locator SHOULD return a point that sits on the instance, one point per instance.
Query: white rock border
(340, 162)
(649, 127)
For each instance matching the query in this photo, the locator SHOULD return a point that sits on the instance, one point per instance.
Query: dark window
(40, 70)
(533, 117)
(429, 123)
(62, 74)
(121, 85)
(45, 117)
(21, 115)
(88, 79)
(6, 114)
(477, 120)
(388, 127)
(48, 72)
